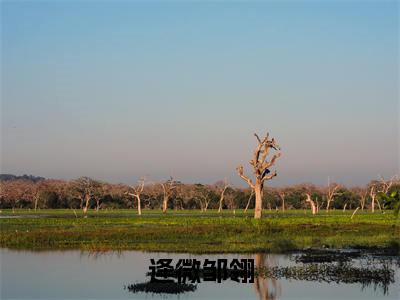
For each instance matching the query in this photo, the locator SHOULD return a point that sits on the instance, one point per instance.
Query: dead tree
(103, 190)
(331, 192)
(377, 187)
(354, 212)
(261, 171)
(372, 194)
(137, 191)
(204, 196)
(85, 188)
(206, 201)
(168, 187)
(282, 196)
(36, 196)
(267, 288)
(313, 206)
(363, 194)
(248, 201)
(386, 185)
(222, 189)
(317, 205)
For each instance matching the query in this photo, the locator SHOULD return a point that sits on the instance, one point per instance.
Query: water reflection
(125, 275)
(340, 267)
(267, 288)
(380, 275)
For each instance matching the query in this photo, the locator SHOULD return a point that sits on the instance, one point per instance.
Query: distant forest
(6, 177)
(28, 191)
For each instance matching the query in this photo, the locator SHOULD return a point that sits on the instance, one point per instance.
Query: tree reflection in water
(266, 288)
(332, 266)
(365, 269)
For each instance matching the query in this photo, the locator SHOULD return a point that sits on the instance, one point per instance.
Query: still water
(84, 275)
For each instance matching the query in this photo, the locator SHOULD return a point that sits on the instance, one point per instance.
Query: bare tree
(317, 205)
(36, 196)
(354, 212)
(168, 187)
(376, 187)
(386, 185)
(266, 288)
(313, 206)
(137, 191)
(230, 200)
(331, 192)
(85, 188)
(282, 196)
(102, 190)
(261, 171)
(204, 196)
(248, 201)
(363, 198)
(222, 189)
(362, 194)
(372, 194)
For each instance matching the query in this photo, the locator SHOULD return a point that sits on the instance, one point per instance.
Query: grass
(196, 232)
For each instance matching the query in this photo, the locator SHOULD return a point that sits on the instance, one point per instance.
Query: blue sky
(117, 90)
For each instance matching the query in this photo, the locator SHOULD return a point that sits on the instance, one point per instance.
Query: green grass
(193, 231)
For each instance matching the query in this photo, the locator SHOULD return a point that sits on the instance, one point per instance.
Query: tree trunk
(379, 204)
(373, 204)
(206, 206)
(221, 200)
(313, 206)
(248, 202)
(258, 191)
(139, 206)
(85, 209)
(313, 209)
(328, 204)
(354, 212)
(165, 204)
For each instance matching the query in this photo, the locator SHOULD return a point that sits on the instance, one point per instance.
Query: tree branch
(266, 165)
(269, 177)
(244, 177)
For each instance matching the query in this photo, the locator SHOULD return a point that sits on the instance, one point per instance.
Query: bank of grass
(193, 231)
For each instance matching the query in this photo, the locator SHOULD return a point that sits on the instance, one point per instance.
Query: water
(83, 275)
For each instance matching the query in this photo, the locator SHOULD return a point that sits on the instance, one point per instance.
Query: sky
(116, 90)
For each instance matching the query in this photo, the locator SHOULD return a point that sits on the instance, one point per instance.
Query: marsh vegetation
(196, 231)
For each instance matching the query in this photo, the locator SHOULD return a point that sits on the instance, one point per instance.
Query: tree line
(86, 193)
